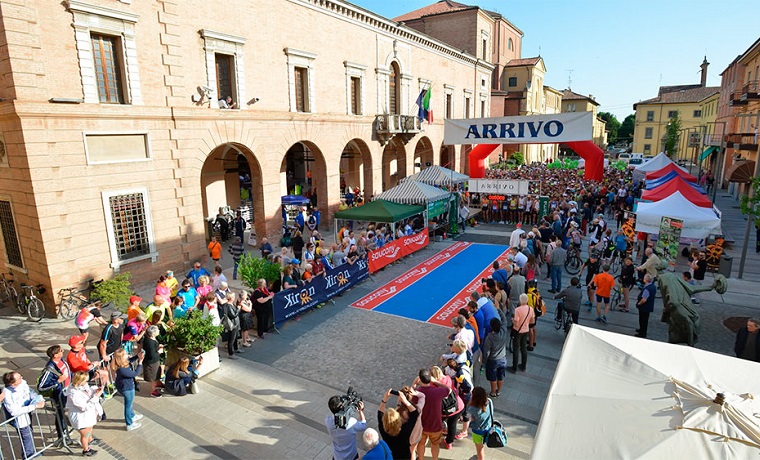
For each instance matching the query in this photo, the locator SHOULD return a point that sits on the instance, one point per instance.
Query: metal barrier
(44, 434)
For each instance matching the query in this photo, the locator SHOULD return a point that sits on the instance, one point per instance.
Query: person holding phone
(121, 365)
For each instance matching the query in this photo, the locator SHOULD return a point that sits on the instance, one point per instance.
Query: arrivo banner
(291, 302)
(498, 186)
(533, 129)
(378, 296)
(396, 249)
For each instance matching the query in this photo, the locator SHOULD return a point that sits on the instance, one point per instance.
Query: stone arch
(303, 171)
(221, 184)
(356, 167)
(423, 154)
(448, 157)
(393, 163)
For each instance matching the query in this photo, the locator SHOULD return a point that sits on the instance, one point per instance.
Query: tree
(672, 134)
(625, 133)
(518, 157)
(611, 124)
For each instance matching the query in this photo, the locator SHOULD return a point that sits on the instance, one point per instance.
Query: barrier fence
(41, 435)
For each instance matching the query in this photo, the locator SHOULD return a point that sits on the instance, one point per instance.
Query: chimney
(704, 72)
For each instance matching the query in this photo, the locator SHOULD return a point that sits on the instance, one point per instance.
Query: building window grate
(12, 247)
(130, 225)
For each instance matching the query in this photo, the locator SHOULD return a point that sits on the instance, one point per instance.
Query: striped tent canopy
(438, 176)
(413, 192)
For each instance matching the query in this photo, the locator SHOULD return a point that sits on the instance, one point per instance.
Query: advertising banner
(533, 129)
(543, 206)
(436, 208)
(629, 230)
(498, 186)
(396, 249)
(668, 239)
(291, 302)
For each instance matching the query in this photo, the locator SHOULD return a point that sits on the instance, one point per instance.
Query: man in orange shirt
(79, 362)
(134, 307)
(604, 283)
(215, 251)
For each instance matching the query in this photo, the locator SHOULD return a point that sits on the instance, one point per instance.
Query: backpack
(536, 302)
(449, 404)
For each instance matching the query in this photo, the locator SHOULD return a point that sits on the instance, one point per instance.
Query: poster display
(668, 240)
(396, 249)
(629, 230)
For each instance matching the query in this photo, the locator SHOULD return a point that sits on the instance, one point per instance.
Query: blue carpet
(424, 298)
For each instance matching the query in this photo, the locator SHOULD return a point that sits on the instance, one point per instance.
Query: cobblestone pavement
(272, 402)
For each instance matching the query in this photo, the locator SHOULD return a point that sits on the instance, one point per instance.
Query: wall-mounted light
(253, 101)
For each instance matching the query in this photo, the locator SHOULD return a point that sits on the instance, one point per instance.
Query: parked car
(624, 156)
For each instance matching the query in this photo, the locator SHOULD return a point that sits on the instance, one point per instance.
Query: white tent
(438, 176)
(655, 164)
(617, 396)
(697, 222)
(413, 192)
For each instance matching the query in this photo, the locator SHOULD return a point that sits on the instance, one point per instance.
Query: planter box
(210, 360)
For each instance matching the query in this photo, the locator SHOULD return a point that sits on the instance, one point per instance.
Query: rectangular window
(225, 75)
(467, 107)
(697, 114)
(512, 82)
(356, 95)
(10, 236)
(648, 133)
(647, 148)
(106, 57)
(485, 49)
(301, 78)
(448, 106)
(672, 113)
(482, 109)
(650, 115)
(130, 225)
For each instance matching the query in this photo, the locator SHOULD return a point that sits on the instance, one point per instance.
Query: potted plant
(115, 291)
(251, 269)
(193, 336)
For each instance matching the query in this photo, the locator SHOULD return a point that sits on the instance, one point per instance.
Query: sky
(619, 51)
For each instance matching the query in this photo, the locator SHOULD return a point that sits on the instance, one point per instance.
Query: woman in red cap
(134, 307)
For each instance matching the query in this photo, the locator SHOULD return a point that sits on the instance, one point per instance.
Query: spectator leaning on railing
(19, 402)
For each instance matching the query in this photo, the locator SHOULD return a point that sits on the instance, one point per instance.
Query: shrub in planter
(251, 269)
(115, 291)
(194, 336)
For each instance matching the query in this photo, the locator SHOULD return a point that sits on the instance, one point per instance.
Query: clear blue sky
(620, 51)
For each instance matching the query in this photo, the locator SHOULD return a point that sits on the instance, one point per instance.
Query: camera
(394, 392)
(348, 406)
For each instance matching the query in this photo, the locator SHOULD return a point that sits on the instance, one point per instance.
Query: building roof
(523, 62)
(683, 94)
(443, 6)
(568, 95)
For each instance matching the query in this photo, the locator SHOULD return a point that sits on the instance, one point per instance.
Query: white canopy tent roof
(413, 192)
(618, 396)
(697, 222)
(655, 164)
(438, 176)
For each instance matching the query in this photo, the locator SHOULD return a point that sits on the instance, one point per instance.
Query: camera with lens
(345, 406)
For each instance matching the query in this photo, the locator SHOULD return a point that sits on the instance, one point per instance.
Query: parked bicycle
(29, 303)
(7, 290)
(72, 299)
(574, 262)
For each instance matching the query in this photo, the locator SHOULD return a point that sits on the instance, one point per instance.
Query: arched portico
(423, 154)
(448, 156)
(394, 163)
(356, 167)
(304, 172)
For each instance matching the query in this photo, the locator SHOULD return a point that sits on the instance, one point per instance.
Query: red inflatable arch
(589, 151)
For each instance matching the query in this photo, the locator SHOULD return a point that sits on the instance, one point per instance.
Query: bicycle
(72, 300)
(565, 321)
(616, 261)
(7, 290)
(573, 263)
(29, 303)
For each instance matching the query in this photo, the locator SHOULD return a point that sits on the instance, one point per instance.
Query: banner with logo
(543, 206)
(533, 129)
(669, 238)
(396, 249)
(498, 186)
(320, 289)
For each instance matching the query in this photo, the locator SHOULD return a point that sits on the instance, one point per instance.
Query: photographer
(344, 438)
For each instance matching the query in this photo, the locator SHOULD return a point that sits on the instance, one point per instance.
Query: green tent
(380, 211)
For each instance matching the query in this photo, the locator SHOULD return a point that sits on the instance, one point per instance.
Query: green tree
(518, 158)
(672, 134)
(750, 205)
(612, 125)
(625, 132)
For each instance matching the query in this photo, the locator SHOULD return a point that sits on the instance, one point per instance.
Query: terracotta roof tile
(523, 62)
(444, 6)
(693, 93)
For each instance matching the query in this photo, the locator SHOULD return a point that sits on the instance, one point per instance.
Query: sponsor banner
(384, 293)
(629, 230)
(397, 249)
(669, 239)
(291, 302)
(543, 206)
(451, 308)
(498, 186)
(533, 129)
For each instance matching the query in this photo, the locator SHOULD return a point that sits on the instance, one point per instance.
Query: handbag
(449, 404)
(496, 436)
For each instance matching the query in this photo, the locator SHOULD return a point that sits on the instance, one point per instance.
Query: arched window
(394, 86)
(510, 44)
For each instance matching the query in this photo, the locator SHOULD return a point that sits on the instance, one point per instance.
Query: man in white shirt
(514, 238)
(19, 401)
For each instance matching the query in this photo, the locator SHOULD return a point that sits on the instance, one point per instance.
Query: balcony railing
(742, 141)
(735, 98)
(405, 126)
(750, 91)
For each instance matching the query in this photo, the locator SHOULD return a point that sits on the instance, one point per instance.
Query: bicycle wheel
(557, 322)
(10, 295)
(36, 309)
(68, 309)
(21, 303)
(573, 265)
(615, 265)
(617, 297)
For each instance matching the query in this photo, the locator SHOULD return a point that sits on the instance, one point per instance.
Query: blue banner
(320, 289)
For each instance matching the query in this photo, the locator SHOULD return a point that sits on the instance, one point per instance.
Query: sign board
(498, 186)
(436, 208)
(669, 239)
(396, 249)
(533, 129)
(629, 230)
(543, 206)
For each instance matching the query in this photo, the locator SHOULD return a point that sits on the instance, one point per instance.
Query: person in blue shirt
(377, 449)
(344, 439)
(196, 273)
(189, 295)
(488, 309)
(476, 313)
